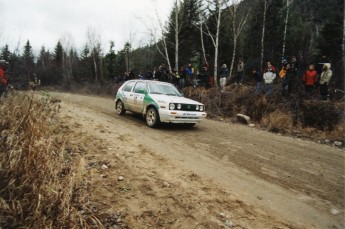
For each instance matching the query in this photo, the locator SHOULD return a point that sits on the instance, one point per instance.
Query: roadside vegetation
(40, 176)
(299, 116)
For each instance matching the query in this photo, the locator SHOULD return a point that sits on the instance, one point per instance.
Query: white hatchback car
(158, 102)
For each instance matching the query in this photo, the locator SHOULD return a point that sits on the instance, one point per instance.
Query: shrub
(322, 115)
(37, 181)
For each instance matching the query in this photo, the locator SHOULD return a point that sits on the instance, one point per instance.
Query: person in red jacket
(309, 79)
(3, 78)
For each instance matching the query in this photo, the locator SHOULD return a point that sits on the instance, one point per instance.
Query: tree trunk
(216, 45)
(263, 34)
(233, 57)
(285, 26)
(344, 41)
(101, 69)
(202, 42)
(176, 35)
(126, 62)
(167, 54)
(95, 65)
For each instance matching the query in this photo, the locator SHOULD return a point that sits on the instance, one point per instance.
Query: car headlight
(201, 108)
(172, 106)
(179, 106)
(197, 107)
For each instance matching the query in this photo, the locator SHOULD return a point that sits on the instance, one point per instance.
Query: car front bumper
(176, 116)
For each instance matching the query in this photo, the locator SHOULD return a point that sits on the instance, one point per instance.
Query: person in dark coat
(259, 80)
(288, 79)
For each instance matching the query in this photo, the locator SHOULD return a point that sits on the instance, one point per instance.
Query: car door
(139, 92)
(128, 95)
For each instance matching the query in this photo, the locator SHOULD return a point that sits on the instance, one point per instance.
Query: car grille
(188, 107)
(186, 117)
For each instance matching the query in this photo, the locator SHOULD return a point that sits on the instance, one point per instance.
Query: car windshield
(163, 89)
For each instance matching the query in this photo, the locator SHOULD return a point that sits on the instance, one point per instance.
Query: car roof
(152, 81)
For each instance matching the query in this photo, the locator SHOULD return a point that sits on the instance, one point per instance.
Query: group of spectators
(288, 77)
(186, 75)
(315, 77)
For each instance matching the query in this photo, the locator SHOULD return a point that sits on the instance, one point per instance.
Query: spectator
(141, 76)
(309, 79)
(259, 80)
(288, 79)
(269, 67)
(182, 77)
(294, 65)
(282, 72)
(3, 78)
(240, 68)
(189, 73)
(223, 74)
(149, 75)
(206, 68)
(325, 77)
(283, 69)
(269, 76)
(324, 60)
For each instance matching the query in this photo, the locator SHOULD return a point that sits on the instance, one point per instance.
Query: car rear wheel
(152, 117)
(119, 107)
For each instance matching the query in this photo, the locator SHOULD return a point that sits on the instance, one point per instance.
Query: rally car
(158, 102)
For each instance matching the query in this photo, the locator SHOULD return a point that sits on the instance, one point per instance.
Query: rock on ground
(243, 118)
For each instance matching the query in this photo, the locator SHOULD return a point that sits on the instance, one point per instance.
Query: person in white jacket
(269, 76)
(325, 77)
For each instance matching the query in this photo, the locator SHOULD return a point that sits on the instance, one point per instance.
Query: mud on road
(210, 176)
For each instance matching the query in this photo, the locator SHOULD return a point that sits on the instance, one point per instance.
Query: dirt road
(257, 179)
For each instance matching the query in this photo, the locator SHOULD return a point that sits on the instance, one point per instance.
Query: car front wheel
(152, 117)
(119, 107)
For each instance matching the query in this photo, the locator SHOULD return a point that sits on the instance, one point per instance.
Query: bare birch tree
(201, 28)
(286, 25)
(237, 23)
(215, 38)
(67, 59)
(177, 28)
(344, 40)
(94, 41)
(164, 43)
(266, 5)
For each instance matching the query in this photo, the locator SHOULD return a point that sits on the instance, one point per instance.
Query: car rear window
(128, 87)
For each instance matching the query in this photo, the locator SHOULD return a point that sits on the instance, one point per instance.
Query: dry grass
(38, 168)
(278, 121)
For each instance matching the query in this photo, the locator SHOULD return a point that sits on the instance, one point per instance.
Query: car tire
(120, 108)
(152, 117)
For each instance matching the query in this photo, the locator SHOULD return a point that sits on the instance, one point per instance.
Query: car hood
(173, 99)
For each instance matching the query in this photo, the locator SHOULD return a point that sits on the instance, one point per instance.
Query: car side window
(128, 87)
(140, 87)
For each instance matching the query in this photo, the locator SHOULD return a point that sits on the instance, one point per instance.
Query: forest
(199, 31)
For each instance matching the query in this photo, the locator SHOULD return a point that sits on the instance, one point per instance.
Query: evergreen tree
(28, 55)
(5, 53)
(28, 61)
(58, 54)
(110, 61)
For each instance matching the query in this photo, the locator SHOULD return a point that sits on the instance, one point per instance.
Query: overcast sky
(44, 22)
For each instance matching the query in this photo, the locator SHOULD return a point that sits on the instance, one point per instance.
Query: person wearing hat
(223, 74)
(325, 77)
